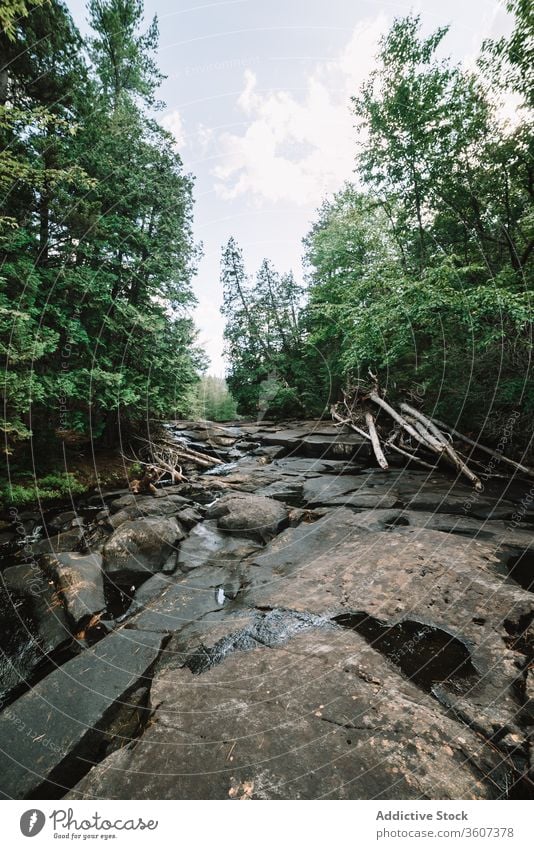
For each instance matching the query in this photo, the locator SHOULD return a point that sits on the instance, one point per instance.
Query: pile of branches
(418, 437)
(160, 457)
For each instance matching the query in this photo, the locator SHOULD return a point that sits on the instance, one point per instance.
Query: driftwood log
(159, 457)
(416, 436)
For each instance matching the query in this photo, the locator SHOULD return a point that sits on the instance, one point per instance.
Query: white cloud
(172, 122)
(297, 148)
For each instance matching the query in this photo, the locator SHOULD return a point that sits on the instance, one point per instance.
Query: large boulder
(140, 548)
(130, 500)
(248, 515)
(79, 582)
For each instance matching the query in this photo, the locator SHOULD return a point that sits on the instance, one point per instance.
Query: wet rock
(362, 500)
(248, 476)
(66, 541)
(184, 601)
(148, 591)
(426, 654)
(425, 692)
(206, 544)
(323, 489)
(79, 581)
(28, 581)
(249, 515)
(62, 521)
(140, 548)
(189, 517)
(298, 548)
(337, 444)
(171, 564)
(313, 467)
(290, 438)
(406, 573)
(7, 537)
(269, 451)
(327, 717)
(34, 625)
(263, 629)
(168, 506)
(288, 491)
(45, 751)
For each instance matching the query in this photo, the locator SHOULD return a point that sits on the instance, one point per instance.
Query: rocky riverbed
(296, 623)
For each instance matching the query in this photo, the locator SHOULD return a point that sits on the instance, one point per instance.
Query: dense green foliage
(96, 248)
(423, 272)
(212, 401)
(263, 339)
(52, 487)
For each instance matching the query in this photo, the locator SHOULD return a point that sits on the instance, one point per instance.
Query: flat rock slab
(322, 717)
(322, 490)
(311, 466)
(297, 549)
(79, 582)
(207, 545)
(52, 733)
(185, 600)
(414, 573)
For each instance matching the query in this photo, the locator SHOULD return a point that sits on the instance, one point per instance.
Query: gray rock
(206, 544)
(31, 630)
(189, 517)
(148, 592)
(79, 581)
(323, 716)
(183, 602)
(168, 506)
(28, 581)
(322, 489)
(52, 734)
(140, 547)
(415, 573)
(248, 515)
(62, 521)
(66, 541)
(287, 490)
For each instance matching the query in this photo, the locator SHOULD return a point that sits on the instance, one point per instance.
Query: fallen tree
(159, 457)
(409, 432)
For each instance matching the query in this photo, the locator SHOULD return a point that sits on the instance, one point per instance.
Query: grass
(52, 487)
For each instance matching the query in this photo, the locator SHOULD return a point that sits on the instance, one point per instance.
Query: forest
(418, 270)
(96, 245)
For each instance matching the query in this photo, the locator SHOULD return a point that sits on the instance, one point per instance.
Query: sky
(258, 98)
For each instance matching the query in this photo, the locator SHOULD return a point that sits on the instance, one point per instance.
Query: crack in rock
(271, 629)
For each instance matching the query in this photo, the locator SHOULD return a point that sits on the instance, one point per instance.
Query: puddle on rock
(427, 655)
(521, 569)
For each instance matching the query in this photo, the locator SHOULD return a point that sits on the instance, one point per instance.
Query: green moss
(51, 487)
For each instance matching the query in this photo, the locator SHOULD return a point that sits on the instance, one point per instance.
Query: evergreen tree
(97, 246)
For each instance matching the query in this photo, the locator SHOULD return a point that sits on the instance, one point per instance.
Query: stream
(418, 588)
